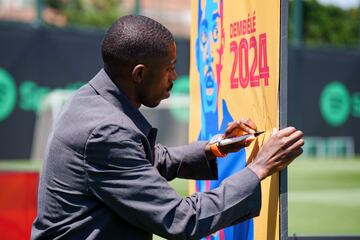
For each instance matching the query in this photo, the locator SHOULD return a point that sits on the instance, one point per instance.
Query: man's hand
(278, 152)
(235, 129)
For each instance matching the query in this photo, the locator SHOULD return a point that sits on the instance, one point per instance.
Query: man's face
(208, 44)
(160, 75)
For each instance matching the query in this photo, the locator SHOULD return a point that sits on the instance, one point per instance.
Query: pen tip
(258, 133)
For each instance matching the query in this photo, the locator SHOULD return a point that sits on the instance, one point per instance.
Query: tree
(96, 13)
(327, 25)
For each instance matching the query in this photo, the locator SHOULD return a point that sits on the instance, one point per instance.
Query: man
(104, 177)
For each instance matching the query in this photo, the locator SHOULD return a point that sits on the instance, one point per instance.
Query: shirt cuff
(208, 169)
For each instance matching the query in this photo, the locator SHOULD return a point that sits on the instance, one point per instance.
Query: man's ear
(138, 73)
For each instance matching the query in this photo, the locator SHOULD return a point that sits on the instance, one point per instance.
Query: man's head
(139, 56)
(209, 51)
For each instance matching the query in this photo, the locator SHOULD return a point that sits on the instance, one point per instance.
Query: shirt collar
(104, 86)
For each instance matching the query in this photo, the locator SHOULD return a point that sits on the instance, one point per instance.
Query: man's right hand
(277, 152)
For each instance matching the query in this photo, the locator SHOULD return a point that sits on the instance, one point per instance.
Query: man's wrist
(215, 149)
(214, 146)
(258, 171)
(210, 156)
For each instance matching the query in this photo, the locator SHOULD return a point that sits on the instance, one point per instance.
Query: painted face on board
(160, 75)
(209, 51)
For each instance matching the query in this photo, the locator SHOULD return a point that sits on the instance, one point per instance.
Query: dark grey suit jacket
(104, 178)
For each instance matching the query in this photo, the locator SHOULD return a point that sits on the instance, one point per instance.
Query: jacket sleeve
(120, 176)
(188, 161)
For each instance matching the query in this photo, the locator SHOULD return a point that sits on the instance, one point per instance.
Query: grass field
(324, 195)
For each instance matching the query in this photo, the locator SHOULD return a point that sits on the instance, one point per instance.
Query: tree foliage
(95, 13)
(327, 25)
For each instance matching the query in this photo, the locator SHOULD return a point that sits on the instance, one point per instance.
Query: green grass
(19, 165)
(324, 194)
(324, 197)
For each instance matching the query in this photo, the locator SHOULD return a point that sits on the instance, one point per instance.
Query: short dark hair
(133, 39)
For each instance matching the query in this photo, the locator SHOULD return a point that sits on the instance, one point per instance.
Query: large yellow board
(234, 73)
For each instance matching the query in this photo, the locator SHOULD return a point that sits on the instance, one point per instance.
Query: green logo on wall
(335, 104)
(181, 88)
(7, 94)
